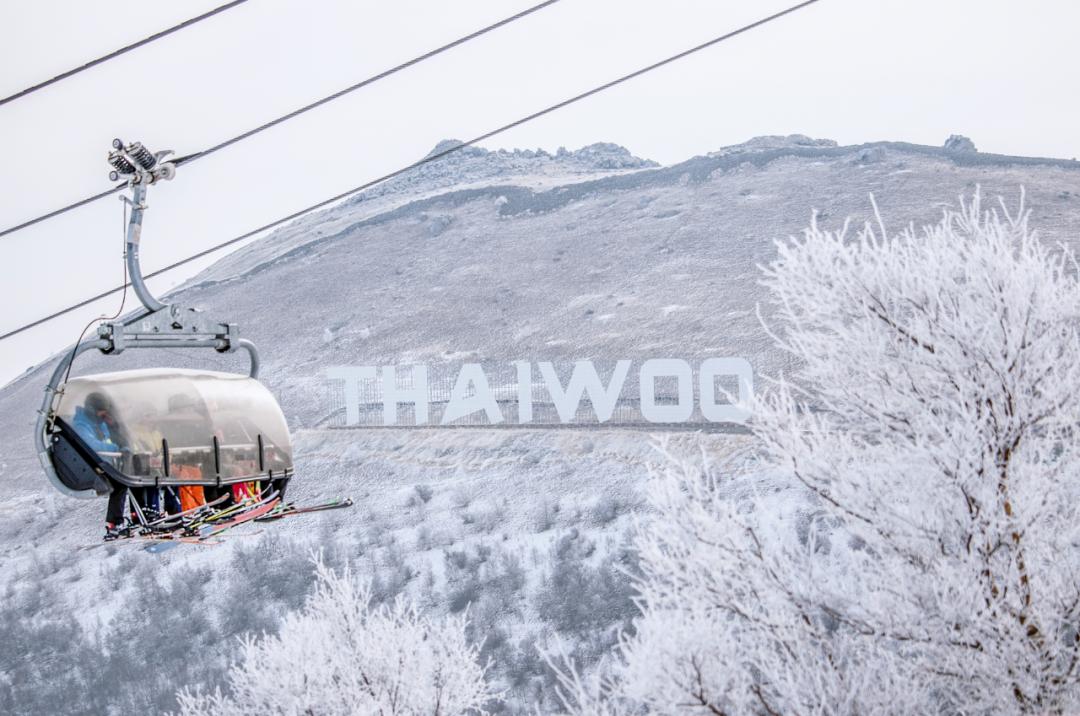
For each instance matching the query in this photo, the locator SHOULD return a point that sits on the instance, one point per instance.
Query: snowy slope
(494, 257)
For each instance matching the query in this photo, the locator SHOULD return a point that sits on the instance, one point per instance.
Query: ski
(208, 533)
(161, 523)
(235, 508)
(178, 539)
(174, 536)
(157, 545)
(256, 511)
(104, 543)
(289, 510)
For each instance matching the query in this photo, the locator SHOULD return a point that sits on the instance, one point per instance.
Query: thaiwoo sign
(657, 390)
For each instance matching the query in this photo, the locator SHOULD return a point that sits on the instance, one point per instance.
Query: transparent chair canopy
(174, 426)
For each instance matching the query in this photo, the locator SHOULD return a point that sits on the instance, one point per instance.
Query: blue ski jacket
(95, 432)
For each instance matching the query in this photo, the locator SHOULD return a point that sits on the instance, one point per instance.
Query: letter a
(462, 403)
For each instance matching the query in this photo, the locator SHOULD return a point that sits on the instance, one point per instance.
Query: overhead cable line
(364, 83)
(297, 112)
(429, 158)
(69, 207)
(121, 51)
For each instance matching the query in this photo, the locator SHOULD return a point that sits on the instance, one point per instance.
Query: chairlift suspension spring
(141, 155)
(121, 163)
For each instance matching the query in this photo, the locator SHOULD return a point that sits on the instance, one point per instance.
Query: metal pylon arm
(163, 324)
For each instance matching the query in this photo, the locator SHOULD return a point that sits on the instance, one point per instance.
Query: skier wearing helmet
(95, 422)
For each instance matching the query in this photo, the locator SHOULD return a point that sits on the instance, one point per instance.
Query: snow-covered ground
(483, 257)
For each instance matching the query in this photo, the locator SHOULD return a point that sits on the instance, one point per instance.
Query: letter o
(666, 367)
(737, 412)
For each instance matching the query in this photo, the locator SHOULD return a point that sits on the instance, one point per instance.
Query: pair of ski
(189, 521)
(262, 512)
(204, 525)
(205, 531)
(265, 511)
(187, 526)
(291, 510)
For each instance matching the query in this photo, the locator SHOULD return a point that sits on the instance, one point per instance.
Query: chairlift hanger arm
(161, 325)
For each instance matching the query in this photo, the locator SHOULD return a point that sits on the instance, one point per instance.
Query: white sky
(1002, 72)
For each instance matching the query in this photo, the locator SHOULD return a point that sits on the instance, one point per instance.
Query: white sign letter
(683, 374)
(462, 403)
(585, 380)
(524, 391)
(392, 395)
(726, 413)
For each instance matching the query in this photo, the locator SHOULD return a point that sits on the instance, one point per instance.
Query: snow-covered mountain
(483, 257)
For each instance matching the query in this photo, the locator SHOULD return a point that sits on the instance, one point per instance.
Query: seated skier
(146, 459)
(95, 423)
(183, 408)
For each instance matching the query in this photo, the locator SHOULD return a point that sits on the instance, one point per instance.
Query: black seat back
(76, 463)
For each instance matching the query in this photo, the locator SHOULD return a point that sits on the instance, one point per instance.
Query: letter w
(585, 380)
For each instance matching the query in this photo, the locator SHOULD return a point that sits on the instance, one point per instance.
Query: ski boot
(151, 515)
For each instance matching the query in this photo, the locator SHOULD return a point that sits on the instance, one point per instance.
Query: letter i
(524, 390)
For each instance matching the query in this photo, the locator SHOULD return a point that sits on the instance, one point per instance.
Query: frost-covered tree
(340, 655)
(913, 546)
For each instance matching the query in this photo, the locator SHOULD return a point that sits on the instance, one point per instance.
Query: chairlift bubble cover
(169, 426)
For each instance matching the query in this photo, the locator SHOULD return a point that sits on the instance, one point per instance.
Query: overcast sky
(1002, 72)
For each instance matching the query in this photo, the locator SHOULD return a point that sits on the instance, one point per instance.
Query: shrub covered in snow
(921, 553)
(342, 655)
